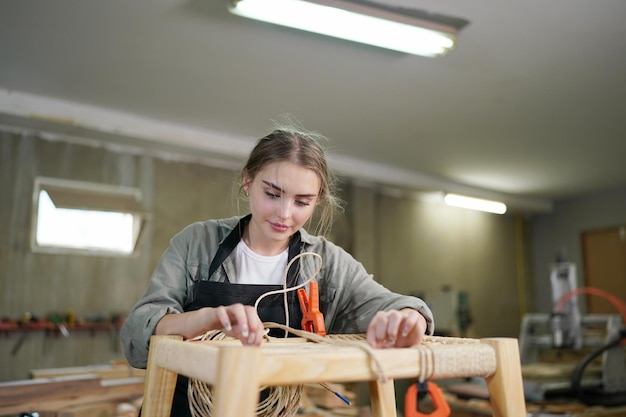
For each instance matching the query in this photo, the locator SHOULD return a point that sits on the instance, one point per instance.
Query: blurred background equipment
(573, 354)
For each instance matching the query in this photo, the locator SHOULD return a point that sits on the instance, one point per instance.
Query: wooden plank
(237, 383)
(160, 381)
(315, 362)
(468, 390)
(111, 390)
(106, 371)
(506, 390)
(90, 410)
(25, 390)
(383, 398)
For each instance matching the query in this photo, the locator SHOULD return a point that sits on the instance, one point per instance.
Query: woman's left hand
(396, 328)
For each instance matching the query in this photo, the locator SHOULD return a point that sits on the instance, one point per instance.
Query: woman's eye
(274, 196)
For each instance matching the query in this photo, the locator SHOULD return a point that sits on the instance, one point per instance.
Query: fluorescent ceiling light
(475, 203)
(355, 22)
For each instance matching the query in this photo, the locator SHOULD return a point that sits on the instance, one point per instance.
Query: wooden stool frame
(236, 372)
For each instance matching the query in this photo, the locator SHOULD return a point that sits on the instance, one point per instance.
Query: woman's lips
(279, 227)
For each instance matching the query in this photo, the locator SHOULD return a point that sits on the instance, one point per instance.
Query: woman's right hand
(241, 322)
(237, 320)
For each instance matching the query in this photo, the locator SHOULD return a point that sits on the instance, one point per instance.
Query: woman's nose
(284, 208)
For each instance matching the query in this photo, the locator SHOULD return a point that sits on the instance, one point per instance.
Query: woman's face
(282, 199)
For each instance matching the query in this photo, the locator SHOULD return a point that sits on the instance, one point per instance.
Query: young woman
(213, 272)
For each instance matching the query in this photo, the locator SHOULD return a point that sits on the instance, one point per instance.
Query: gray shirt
(349, 296)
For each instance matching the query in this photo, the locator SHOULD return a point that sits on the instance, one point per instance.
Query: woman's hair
(304, 149)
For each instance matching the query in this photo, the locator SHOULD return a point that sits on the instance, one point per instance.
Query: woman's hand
(241, 322)
(396, 328)
(236, 320)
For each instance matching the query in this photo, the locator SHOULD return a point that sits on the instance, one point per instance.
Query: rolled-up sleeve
(166, 293)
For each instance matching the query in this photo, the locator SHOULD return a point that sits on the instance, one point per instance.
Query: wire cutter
(312, 317)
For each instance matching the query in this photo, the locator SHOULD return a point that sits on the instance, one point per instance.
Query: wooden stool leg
(236, 390)
(506, 388)
(383, 398)
(159, 384)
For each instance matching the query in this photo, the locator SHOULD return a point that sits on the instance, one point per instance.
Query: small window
(88, 218)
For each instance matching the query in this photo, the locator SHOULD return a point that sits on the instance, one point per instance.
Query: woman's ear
(245, 181)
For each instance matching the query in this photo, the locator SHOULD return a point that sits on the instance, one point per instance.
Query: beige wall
(418, 247)
(561, 231)
(411, 246)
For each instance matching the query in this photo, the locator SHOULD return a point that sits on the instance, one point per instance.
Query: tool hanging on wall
(417, 392)
(24, 324)
(54, 318)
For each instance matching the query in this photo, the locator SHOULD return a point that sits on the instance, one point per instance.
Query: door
(604, 257)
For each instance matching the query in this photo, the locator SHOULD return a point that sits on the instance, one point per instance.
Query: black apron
(215, 294)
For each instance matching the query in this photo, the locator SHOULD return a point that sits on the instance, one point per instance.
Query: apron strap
(295, 248)
(228, 245)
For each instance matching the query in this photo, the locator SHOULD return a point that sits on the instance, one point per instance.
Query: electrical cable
(595, 396)
(619, 305)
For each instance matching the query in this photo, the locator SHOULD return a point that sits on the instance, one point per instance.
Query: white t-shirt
(253, 268)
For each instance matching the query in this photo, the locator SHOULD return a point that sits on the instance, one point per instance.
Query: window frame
(84, 195)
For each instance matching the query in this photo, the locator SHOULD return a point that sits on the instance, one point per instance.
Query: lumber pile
(113, 370)
(105, 391)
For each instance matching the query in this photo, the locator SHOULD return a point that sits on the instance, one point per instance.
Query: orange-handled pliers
(312, 317)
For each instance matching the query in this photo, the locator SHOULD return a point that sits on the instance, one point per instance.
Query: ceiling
(528, 108)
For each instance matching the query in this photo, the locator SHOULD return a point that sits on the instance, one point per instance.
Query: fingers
(393, 328)
(396, 328)
(256, 331)
(223, 319)
(241, 322)
(383, 329)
